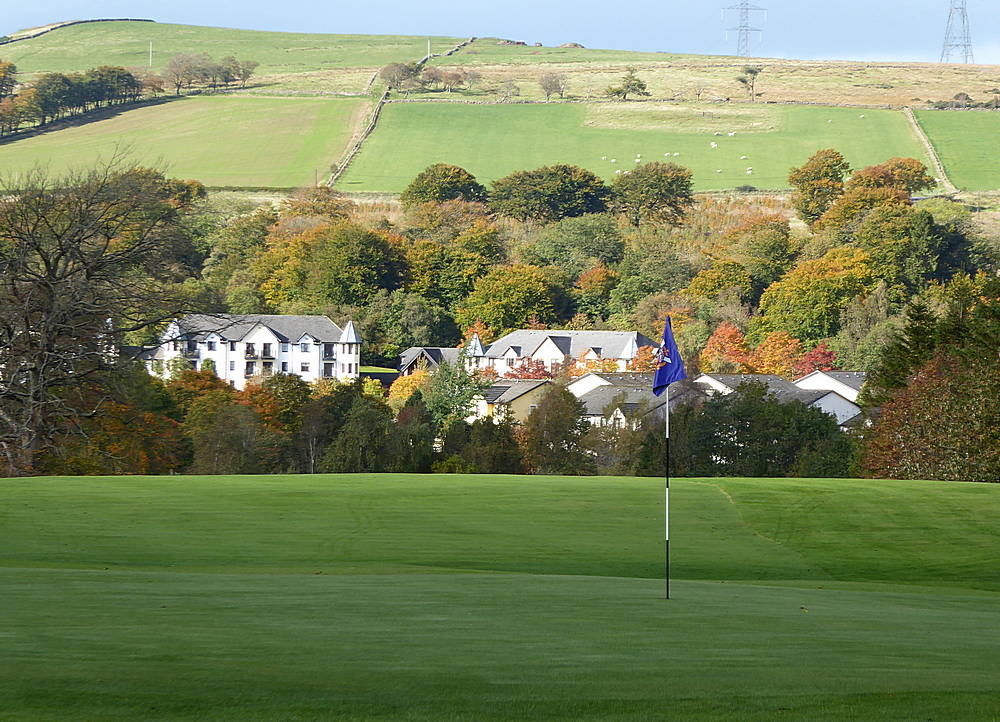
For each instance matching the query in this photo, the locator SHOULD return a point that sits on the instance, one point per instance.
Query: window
(232, 345)
(251, 368)
(268, 368)
(304, 347)
(251, 350)
(328, 370)
(304, 368)
(211, 345)
(175, 346)
(329, 350)
(232, 365)
(284, 348)
(284, 367)
(267, 350)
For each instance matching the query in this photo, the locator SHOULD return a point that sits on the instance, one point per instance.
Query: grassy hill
(451, 597)
(492, 141)
(220, 140)
(78, 47)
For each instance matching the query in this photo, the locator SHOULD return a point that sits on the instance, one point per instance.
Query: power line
(957, 36)
(744, 30)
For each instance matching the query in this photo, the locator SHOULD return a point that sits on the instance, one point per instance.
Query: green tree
(550, 193)
(451, 392)
(574, 244)
(363, 443)
(631, 84)
(658, 192)
(509, 297)
(903, 246)
(554, 435)
(412, 439)
(818, 183)
(442, 182)
(228, 437)
(492, 448)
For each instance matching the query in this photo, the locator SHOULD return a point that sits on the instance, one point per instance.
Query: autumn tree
(779, 354)
(228, 437)
(820, 358)
(903, 246)
(8, 78)
(808, 301)
(763, 246)
(631, 84)
(726, 352)
(575, 244)
(492, 448)
(657, 192)
(189, 384)
(394, 75)
(319, 201)
(721, 277)
(510, 296)
(411, 440)
(907, 174)
(550, 193)
(405, 386)
(851, 207)
(84, 260)
(442, 182)
(818, 183)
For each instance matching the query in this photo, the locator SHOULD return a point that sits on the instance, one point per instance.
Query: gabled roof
(571, 343)
(854, 379)
(636, 392)
(434, 355)
(503, 392)
(773, 383)
(233, 327)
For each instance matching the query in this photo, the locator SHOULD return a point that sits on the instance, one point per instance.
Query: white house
(831, 402)
(551, 348)
(616, 399)
(241, 347)
(846, 383)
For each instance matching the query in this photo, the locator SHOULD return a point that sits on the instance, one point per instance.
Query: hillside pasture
(78, 47)
(492, 141)
(967, 144)
(497, 598)
(219, 140)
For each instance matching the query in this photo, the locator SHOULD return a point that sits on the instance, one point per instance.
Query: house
(614, 399)
(550, 348)
(846, 383)
(241, 347)
(830, 402)
(509, 399)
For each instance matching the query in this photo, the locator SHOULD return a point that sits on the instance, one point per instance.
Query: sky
(900, 30)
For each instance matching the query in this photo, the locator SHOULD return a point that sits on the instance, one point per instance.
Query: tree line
(53, 96)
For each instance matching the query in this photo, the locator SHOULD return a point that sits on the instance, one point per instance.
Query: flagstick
(666, 497)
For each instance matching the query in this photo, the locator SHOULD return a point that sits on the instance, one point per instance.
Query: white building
(551, 348)
(831, 402)
(846, 383)
(241, 347)
(619, 399)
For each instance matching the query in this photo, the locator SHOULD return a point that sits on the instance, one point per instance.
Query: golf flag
(670, 366)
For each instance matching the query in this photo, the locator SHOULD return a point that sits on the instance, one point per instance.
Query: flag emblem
(669, 364)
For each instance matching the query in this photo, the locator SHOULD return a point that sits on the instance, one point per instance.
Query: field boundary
(377, 112)
(38, 32)
(931, 150)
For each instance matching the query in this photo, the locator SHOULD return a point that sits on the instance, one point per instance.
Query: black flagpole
(666, 496)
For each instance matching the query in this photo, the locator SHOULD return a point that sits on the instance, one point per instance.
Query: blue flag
(670, 366)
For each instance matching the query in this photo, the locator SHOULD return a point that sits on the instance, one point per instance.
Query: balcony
(191, 353)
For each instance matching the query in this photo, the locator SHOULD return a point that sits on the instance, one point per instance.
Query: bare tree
(472, 78)
(552, 84)
(508, 89)
(84, 260)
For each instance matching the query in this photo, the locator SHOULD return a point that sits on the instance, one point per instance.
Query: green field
(493, 140)
(221, 141)
(78, 47)
(490, 51)
(516, 598)
(967, 143)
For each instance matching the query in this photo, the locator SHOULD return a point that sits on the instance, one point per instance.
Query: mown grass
(492, 141)
(455, 597)
(79, 47)
(220, 140)
(967, 144)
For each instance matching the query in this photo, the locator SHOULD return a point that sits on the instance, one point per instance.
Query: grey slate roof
(350, 334)
(571, 343)
(774, 383)
(503, 392)
(433, 354)
(854, 379)
(234, 327)
(636, 392)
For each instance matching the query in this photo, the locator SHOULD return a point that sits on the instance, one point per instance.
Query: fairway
(78, 47)
(967, 143)
(492, 141)
(454, 597)
(221, 141)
